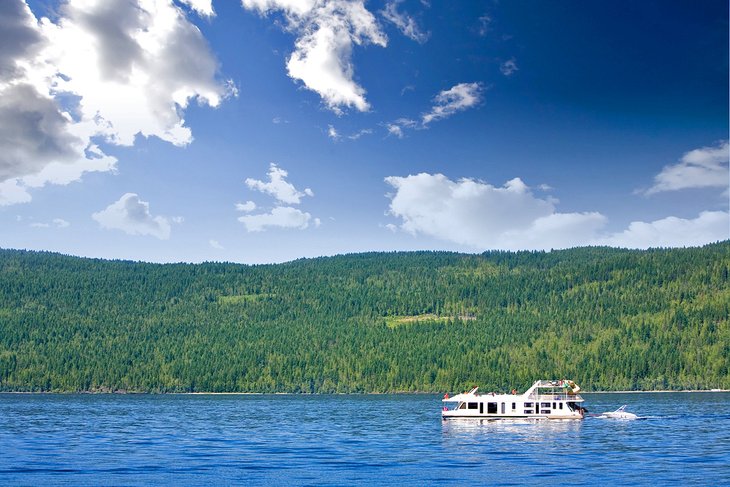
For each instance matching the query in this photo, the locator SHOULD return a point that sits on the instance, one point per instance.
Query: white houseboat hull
(544, 400)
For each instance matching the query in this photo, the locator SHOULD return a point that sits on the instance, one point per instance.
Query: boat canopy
(564, 386)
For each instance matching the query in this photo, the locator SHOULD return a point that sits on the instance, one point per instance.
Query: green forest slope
(377, 322)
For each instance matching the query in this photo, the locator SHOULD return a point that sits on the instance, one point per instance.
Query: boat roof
(568, 386)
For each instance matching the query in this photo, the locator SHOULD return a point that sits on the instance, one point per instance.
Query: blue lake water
(342, 440)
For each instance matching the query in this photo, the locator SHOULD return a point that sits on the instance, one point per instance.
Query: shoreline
(655, 392)
(131, 393)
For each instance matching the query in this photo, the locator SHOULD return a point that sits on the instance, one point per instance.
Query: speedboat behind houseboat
(546, 399)
(620, 413)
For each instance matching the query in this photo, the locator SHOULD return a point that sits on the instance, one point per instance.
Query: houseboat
(546, 399)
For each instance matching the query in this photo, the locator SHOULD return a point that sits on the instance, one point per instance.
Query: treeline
(608, 318)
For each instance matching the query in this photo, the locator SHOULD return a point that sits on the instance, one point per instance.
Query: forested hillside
(375, 322)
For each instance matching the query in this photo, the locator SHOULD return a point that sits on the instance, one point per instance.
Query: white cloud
(111, 51)
(482, 216)
(33, 132)
(335, 135)
(279, 217)
(709, 226)
(456, 99)
(215, 244)
(396, 128)
(277, 186)
(322, 57)
(201, 7)
(508, 67)
(700, 168)
(89, 75)
(11, 193)
(470, 212)
(404, 22)
(247, 207)
(359, 134)
(132, 216)
(57, 223)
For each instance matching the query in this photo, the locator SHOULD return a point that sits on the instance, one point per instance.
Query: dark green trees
(376, 322)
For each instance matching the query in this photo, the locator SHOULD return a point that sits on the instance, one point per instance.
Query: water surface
(338, 440)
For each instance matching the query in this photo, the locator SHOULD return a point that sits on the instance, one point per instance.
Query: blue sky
(268, 130)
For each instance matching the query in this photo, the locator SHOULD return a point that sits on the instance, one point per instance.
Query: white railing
(554, 397)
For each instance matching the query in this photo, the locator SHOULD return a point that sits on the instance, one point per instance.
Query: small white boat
(620, 413)
(546, 399)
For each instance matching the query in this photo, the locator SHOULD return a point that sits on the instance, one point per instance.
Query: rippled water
(336, 440)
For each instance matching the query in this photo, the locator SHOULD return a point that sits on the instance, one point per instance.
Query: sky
(263, 131)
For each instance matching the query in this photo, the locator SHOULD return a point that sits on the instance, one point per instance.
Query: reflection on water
(523, 427)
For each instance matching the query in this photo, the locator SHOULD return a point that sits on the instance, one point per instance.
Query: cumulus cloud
(111, 51)
(456, 99)
(132, 216)
(12, 192)
(511, 217)
(709, 226)
(326, 31)
(706, 167)
(283, 215)
(279, 217)
(404, 22)
(247, 207)
(215, 244)
(477, 214)
(508, 67)
(107, 70)
(278, 187)
(33, 130)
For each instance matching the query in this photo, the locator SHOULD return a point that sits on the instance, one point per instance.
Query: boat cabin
(546, 399)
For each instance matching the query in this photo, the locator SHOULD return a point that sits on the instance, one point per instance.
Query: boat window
(545, 405)
(503, 408)
(561, 405)
(555, 406)
(528, 404)
(462, 405)
(514, 406)
(491, 408)
(473, 405)
(528, 411)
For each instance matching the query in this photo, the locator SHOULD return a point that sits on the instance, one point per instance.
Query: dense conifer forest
(611, 319)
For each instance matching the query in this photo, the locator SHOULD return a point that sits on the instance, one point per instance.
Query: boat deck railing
(555, 397)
